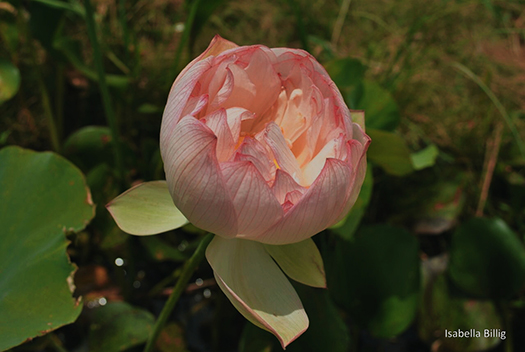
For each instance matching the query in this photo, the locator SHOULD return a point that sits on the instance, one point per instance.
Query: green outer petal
(358, 116)
(146, 209)
(257, 287)
(301, 261)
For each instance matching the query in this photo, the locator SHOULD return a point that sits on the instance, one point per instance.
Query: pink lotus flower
(259, 148)
(258, 144)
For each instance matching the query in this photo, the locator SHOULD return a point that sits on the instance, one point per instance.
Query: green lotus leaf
(42, 196)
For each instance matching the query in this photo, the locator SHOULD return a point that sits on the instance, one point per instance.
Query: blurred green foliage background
(434, 242)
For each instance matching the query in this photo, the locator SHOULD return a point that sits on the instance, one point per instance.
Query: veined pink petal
(282, 152)
(355, 187)
(256, 206)
(287, 59)
(332, 149)
(301, 149)
(235, 117)
(295, 119)
(195, 105)
(243, 90)
(278, 109)
(283, 184)
(310, 142)
(317, 209)
(194, 177)
(359, 161)
(219, 125)
(257, 287)
(264, 77)
(216, 47)
(293, 197)
(219, 85)
(252, 150)
(179, 95)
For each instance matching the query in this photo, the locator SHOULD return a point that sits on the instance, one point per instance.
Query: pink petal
(179, 95)
(358, 159)
(252, 150)
(235, 117)
(256, 85)
(194, 177)
(256, 206)
(195, 105)
(287, 59)
(354, 189)
(243, 90)
(219, 85)
(218, 124)
(217, 45)
(263, 75)
(309, 143)
(319, 207)
(282, 152)
(332, 149)
(293, 197)
(277, 109)
(283, 184)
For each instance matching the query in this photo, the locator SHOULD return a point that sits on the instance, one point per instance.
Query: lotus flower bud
(258, 144)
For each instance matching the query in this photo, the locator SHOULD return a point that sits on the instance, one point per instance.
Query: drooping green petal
(301, 261)
(146, 209)
(257, 287)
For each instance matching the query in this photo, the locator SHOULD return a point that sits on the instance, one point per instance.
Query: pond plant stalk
(46, 101)
(187, 271)
(104, 91)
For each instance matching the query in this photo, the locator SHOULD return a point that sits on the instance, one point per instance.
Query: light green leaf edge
(9, 80)
(389, 151)
(425, 157)
(146, 209)
(301, 261)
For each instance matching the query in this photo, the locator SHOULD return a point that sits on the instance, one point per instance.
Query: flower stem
(187, 271)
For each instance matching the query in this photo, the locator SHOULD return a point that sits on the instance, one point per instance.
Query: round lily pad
(42, 196)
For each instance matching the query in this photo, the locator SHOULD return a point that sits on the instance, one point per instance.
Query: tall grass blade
(338, 26)
(467, 72)
(185, 36)
(303, 36)
(104, 91)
